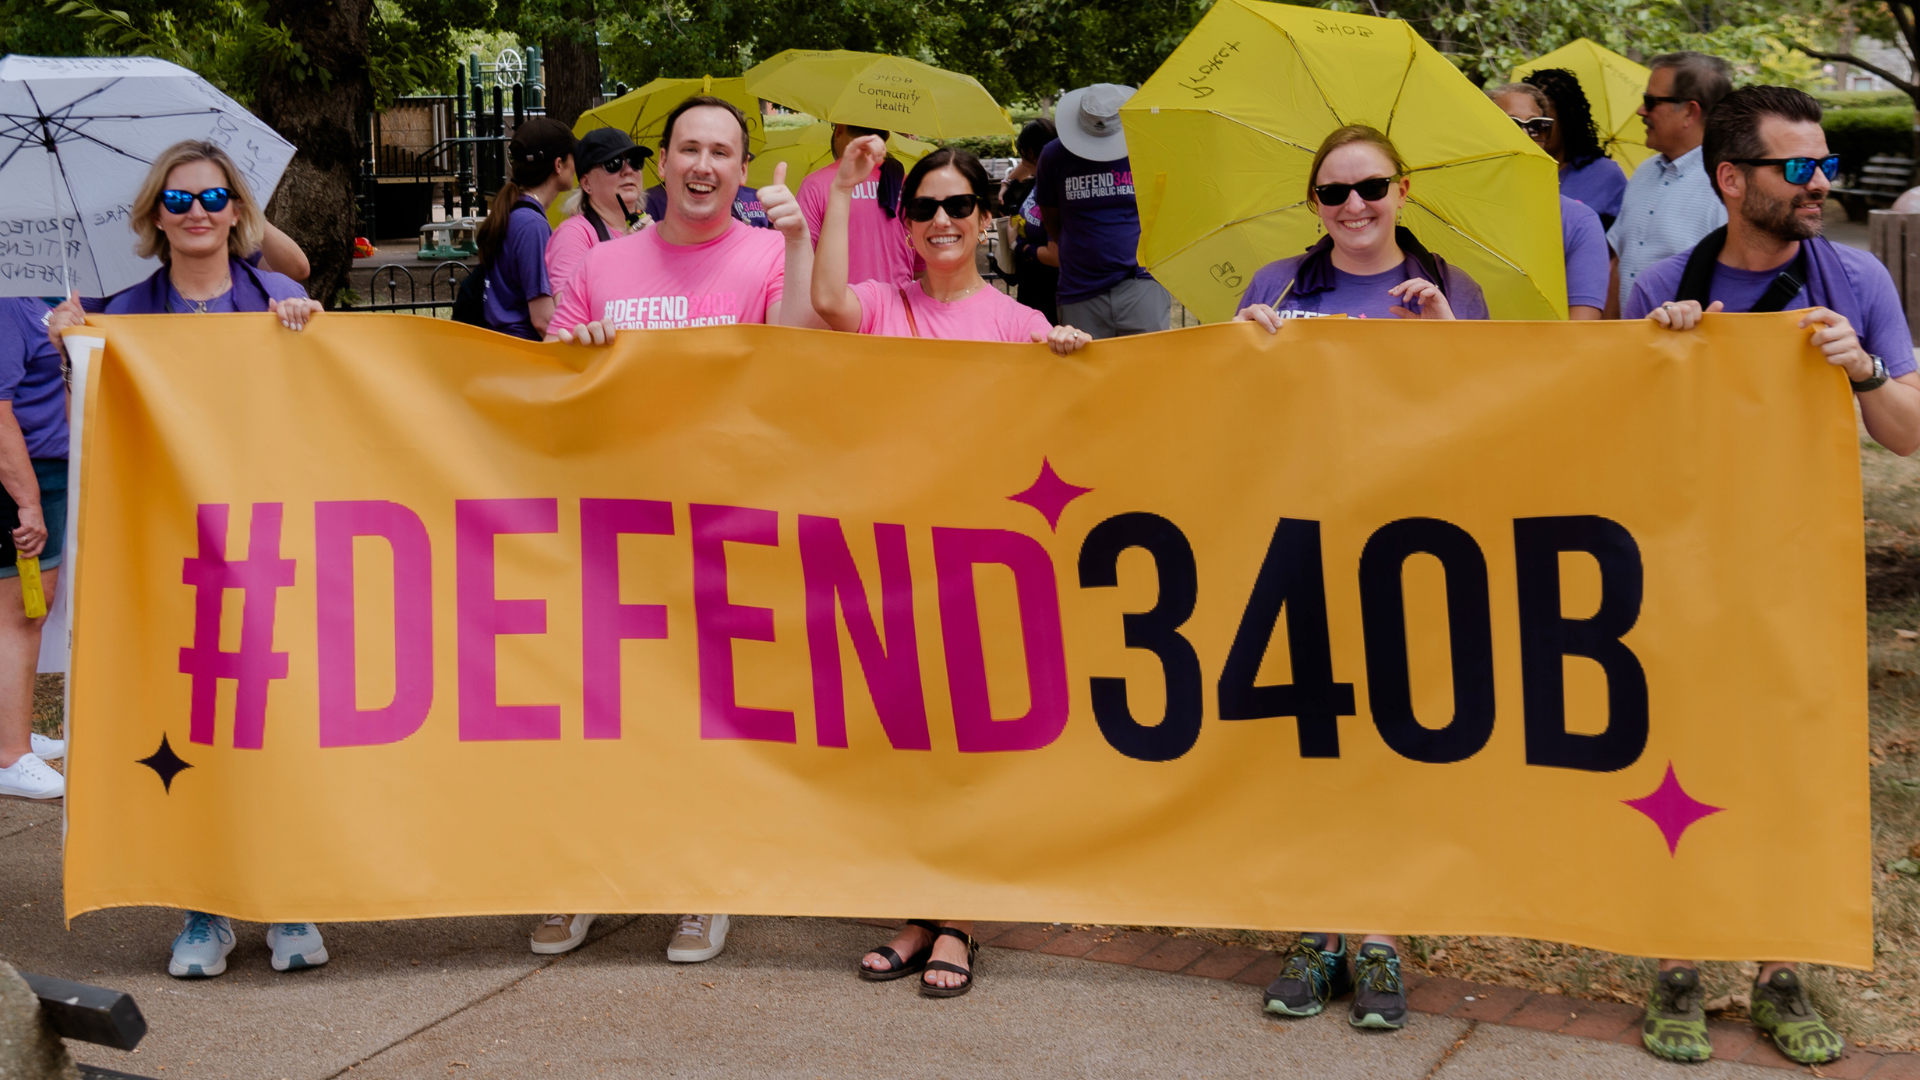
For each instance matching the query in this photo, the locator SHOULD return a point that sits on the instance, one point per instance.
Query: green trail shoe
(1313, 976)
(1780, 1008)
(1676, 1025)
(1379, 997)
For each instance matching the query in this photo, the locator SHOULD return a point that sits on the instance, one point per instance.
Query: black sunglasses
(956, 206)
(1335, 194)
(1538, 127)
(1798, 170)
(1650, 102)
(179, 202)
(636, 157)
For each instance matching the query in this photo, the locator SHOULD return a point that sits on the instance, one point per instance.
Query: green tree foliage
(234, 44)
(1488, 38)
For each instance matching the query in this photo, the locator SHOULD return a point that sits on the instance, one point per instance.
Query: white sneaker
(49, 749)
(30, 778)
(700, 937)
(296, 945)
(560, 933)
(202, 947)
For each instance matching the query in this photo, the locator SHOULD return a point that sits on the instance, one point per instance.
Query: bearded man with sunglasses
(1669, 204)
(1768, 160)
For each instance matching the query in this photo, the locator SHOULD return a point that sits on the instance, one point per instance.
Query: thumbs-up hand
(783, 210)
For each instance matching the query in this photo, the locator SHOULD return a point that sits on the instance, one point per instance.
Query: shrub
(1860, 99)
(1858, 134)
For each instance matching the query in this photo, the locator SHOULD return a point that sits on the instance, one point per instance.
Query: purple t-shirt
(1099, 222)
(1883, 322)
(1599, 183)
(30, 376)
(518, 273)
(746, 206)
(1359, 296)
(1587, 254)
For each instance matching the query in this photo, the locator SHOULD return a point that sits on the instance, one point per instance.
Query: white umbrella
(77, 136)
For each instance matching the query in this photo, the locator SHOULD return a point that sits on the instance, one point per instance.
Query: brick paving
(1603, 1020)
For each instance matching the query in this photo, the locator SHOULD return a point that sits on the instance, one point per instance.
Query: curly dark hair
(1579, 137)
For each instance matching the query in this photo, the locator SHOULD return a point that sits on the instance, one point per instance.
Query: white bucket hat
(1088, 120)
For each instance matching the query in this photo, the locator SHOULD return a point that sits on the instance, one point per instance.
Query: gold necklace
(200, 306)
(971, 289)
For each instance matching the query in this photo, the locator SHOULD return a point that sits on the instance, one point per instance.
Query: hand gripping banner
(1545, 630)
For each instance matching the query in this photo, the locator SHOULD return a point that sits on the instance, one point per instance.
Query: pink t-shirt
(987, 315)
(641, 282)
(567, 249)
(877, 245)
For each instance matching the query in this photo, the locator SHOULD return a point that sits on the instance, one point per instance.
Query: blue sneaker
(296, 945)
(1313, 976)
(1379, 997)
(200, 952)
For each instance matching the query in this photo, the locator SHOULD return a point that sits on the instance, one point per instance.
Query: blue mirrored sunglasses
(1798, 170)
(179, 202)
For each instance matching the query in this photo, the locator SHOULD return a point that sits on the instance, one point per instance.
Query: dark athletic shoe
(1676, 1024)
(1379, 997)
(1313, 976)
(1780, 1008)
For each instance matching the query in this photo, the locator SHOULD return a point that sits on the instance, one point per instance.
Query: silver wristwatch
(1874, 381)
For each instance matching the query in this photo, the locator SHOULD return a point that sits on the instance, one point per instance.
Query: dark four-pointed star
(165, 762)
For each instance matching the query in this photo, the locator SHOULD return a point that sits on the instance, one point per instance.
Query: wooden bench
(1884, 178)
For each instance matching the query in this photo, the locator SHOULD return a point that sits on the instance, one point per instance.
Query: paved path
(464, 998)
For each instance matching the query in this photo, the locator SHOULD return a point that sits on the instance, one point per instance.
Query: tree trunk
(315, 203)
(573, 74)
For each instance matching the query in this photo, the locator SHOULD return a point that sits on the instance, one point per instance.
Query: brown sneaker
(561, 933)
(699, 937)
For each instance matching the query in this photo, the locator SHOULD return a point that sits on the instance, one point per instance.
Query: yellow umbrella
(1222, 136)
(1613, 85)
(642, 113)
(810, 147)
(877, 91)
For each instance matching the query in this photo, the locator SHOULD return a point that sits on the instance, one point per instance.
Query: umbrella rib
(1218, 229)
(1394, 112)
(1462, 234)
(1325, 98)
(1282, 139)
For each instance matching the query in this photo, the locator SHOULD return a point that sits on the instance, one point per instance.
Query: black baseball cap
(603, 145)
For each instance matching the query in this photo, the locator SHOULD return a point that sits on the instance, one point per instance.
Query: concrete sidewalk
(464, 998)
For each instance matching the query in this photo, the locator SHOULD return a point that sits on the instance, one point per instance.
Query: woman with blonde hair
(196, 214)
(1368, 265)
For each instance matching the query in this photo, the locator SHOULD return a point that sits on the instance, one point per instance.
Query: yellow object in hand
(31, 594)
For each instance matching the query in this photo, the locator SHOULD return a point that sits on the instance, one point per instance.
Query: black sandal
(973, 947)
(901, 967)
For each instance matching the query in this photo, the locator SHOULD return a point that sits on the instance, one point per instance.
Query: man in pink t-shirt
(698, 266)
(877, 246)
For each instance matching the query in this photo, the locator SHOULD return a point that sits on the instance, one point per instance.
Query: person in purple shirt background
(1768, 161)
(1583, 237)
(1587, 174)
(1367, 266)
(1085, 196)
(746, 205)
(518, 297)
(1589, 259)
(194, 213)
(33, 520)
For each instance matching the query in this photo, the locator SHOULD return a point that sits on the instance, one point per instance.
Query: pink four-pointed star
(1049, 494)
(1672, 809)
